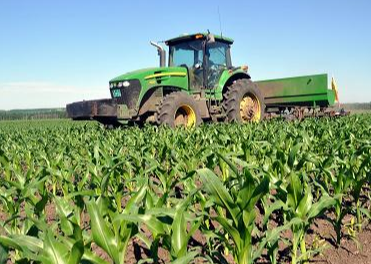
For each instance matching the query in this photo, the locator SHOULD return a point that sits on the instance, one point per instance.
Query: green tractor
(200, 84)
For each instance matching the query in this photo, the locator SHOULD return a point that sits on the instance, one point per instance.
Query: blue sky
(55, 52)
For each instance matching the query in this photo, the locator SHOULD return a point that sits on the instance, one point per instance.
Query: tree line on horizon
(357, 106)
(33, 114)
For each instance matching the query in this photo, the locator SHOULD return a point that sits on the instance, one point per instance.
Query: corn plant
(299, 205)
(67, 188)
(239, 207)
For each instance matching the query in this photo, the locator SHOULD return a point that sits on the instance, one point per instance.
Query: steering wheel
(197, 73)
(198, 67)
(214, 71)
(198, 64)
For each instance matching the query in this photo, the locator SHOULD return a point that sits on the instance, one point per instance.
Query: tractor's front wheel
(243, 102)
(179, 109)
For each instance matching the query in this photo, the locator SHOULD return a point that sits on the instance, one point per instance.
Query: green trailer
(307, 91)
(198, 83)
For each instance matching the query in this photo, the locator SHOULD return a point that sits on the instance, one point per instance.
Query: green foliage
(69, 188)
(33, 114)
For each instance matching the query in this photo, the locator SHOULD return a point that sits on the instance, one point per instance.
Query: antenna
(220, 23)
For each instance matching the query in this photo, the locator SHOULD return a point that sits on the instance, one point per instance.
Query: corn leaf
(102, 235)
(216, 189)
(3, 254)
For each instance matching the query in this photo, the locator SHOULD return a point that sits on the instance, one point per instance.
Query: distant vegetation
(57, 113)
(29, 114)
(357, 106)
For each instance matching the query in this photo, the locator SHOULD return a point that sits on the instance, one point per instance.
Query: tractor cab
(205, 56)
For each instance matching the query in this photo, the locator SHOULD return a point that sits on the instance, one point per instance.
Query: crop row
(213, 194)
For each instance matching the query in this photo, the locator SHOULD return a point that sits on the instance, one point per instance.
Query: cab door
(190, 54)
(218, 60)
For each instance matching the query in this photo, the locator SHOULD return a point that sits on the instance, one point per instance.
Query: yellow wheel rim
(250, 108)
(185, 116)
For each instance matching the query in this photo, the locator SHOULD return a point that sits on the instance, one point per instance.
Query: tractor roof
(187, 37)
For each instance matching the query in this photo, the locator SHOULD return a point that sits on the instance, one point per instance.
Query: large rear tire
(179, 109)
(243, 102)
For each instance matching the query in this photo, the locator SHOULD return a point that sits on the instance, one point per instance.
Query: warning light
(244, 68)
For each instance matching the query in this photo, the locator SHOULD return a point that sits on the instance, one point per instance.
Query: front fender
(227, 78)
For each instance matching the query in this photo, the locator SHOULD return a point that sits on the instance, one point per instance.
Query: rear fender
(227, 79)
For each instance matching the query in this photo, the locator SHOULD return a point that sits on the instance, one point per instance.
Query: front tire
(179, 109)
(243, 102)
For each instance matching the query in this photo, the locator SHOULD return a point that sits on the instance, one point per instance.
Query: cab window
(218, 61)
(186, 54)
(218, 54)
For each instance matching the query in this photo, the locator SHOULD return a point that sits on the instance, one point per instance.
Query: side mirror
(210, 39)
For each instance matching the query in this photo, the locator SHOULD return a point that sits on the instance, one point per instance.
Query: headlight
(111, 85)
(119, 84)
(126, 84)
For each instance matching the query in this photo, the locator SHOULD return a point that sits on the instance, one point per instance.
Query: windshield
(217, 54)
(186, 54)
(204, 71)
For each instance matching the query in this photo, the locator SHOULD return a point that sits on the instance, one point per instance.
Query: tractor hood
(130, 88)
(150, 77)
(138, 74)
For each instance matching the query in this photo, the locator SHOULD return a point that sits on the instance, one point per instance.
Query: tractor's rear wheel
(243, 102)
(179, 109)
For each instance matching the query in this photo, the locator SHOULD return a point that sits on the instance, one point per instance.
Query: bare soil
(349, 252)
(321, 234)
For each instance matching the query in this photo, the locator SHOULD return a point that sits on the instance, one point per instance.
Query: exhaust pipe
(161, 53)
